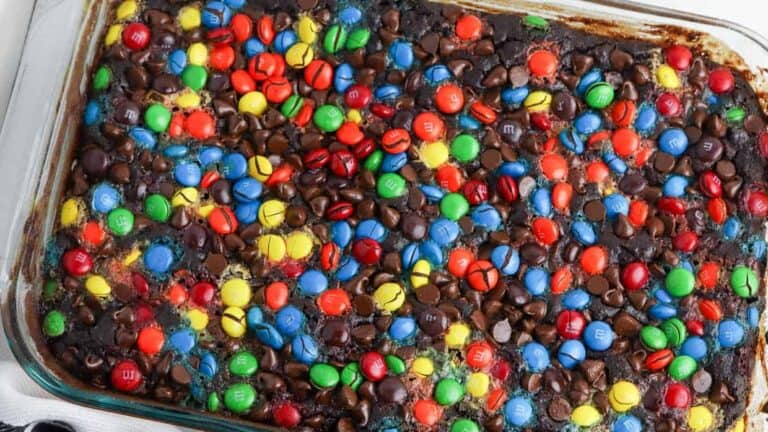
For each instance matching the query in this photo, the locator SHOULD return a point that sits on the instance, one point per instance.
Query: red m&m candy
(679, 57)
(287, 415)
(373, 366)
(542, 63)
(349, 133)
(318, 74)
(334, 302)
(449, 99)
(721, 80)
(222, 220)
(200, 125)
(479, 355)
(242, 27)
(677, 396)
(396, 141)
(570, 324)
(469, 28)
(669, 105)
(202, 293)
(77, 262)
(126, 376)
(475, 191)
(357, 96)
(506, 186)
(685, 241)
(277, 89)
(545, 230)
(330, 255)
(265, 29)
(634, 276)
(482, 275)
(316, 158)
(428, 126)
(276, 295)
(459, 261)
(136, 36)
(710, 184)
(367, 251)
(343, 163)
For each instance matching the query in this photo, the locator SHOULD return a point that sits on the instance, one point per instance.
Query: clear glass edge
(29, 190)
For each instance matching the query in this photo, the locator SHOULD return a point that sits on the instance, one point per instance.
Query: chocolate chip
(559, 409)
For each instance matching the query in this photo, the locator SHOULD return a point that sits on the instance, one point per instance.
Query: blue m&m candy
(312, 282)
(467, 122)
(586, 81)
(177, 61)
(598, 336)
(341, 233)
(393, 162)
(268, 335)
(615, 163)
(247, 213)
(535, 356)
(401, 54)
(518, 411)
(432, 193)
(571, 354)
(387, 92)
(661, 311)
(304, 349)
(627, 423)
(515, 169)
(216, 14)
(588, 123)
(208, 365)
(289, 320)
(187, 173)
(730, 333)
(694, 347)
(673, 141)
(158, 258)
(506, 259)
(536, 281)
(284, 40)
(350, 15)
(753, 316)
(514, 95)
(247, 189)
(444, 231)
(209, 155)
(402, 328)
(105, 198)
(437, 73)
(371, 228)
(432, 252)
(254, 316)
(176, 151)
(182, 340)
(252, 47)
(576, 299)
(233, 166)
(486, 216)
(410, 254)
(731, 228)
(675, 186)
(646, 119)
(348, 268)
(92, 113)
(144, 138)
(583, 233)
(571, 141)
(343, 77)
(541, 201)
(615, 204)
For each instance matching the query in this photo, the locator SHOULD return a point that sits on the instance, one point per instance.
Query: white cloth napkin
(22, 401)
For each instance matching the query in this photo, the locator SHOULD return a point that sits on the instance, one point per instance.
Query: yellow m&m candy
(307, 30)
(434, 154)
(127, 9)
(235, 292)
(113, 34)
(185, 197)
(259, 168)
(252, 103)
(423, 366)
(272, 246)
(667, 77)
(420, 273)
(272, 213)
(699, 418)
(98, 286)
(298, 245)
(623, 396)
(299, 55)
(233, 321)
(198, 319)
(189, 18)
(457, 335)
(538, 101)
(70, 212)
(389, 296)
(478, 383)
(197, 54)
(585, 416)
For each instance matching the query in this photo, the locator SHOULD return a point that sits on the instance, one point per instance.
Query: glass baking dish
(40, 129)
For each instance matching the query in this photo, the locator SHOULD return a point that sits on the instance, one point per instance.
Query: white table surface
(14, 16)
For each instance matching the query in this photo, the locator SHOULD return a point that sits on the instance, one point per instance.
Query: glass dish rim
(12, 269)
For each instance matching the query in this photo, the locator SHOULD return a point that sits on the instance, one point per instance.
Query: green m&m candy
(464, 425)
(744, 282)
(50, 288)
(101, 78)
(682, 367)
(291, 106)
(351, 376)
(54, 324)
(679, 282)
(536, 22)
(157, 207)
(465, 148)
(390, 185)
(239, 398)
(243, 364)
(653, 338)
(454, 206)
(373, 161)
(214, 402)
(120, 221)
(358, 39)
(323, 375)
(735, 115)
(328, 118)
(335, 38)
(675, 331)
(448, 391)
(599, 95)
(157, 117)
(395, 364)
(194, 77)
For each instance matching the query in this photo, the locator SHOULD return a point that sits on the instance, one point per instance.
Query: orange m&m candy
(594, 260)
(449, 177)
(459, 261)
(625, 142)
(222, 57)
(200, 125)
(561, 280)
(597, 171)
(554, 166)
(495, 399)
(176, 128)
(482, 275)
(222, 220)
(242, 27)
(427, 412)
(623, 113)
(242, 82)
(150, 340)
(277, 89)
(638, 213)
(545, 230)
(561, 195)
(396, 141)
(276, 295)
(709, 273)
(479, 355)
(449, 99)
(334, 302)
(482, 112)
(469, 28)
(428, 126)
(177, 294)
(542, 63)
(93, 233)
